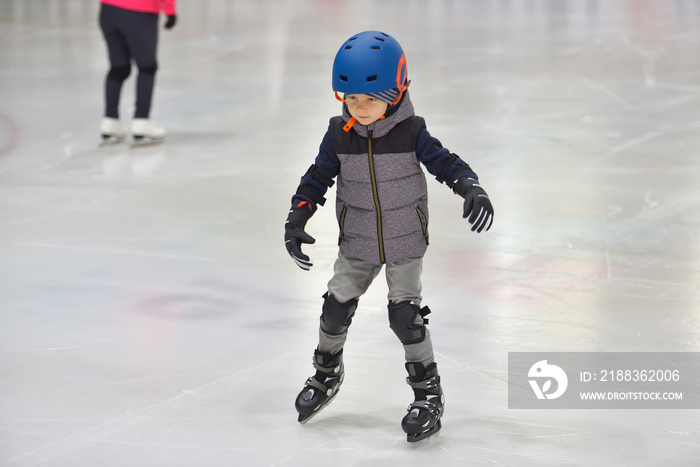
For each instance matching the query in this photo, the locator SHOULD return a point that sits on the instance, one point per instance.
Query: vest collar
(395, 115)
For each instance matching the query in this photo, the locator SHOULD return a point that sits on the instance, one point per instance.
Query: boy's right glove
(477, 205)
(294, 235)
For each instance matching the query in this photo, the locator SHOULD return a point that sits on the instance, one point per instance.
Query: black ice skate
(321, 388)
(423, 418)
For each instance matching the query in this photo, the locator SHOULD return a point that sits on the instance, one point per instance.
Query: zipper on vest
(423, 223)
(375, 194)
(341, 223)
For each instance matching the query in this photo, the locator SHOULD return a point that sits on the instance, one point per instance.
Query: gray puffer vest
(382, 196)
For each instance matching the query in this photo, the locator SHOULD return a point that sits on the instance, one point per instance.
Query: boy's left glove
(477, 205)
(294, 235)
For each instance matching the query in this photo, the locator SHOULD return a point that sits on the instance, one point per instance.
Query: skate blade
(424, 438)
(148, 138)
(145, 141)
(110, 140)
(303, 419)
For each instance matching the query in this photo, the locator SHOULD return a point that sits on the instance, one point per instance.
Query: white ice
(150, 315)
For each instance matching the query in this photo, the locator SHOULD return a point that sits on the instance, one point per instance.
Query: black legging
(130, 35)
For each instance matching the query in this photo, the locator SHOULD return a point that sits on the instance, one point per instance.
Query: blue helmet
(368, 63)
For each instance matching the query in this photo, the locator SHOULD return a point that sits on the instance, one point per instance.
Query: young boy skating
(375, 149)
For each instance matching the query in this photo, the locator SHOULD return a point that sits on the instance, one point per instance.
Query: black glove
(294, 235)
(477, 205)
(170, 22)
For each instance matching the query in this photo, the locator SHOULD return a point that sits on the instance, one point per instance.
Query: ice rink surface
(150, 315)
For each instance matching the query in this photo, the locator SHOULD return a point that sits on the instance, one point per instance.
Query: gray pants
(351, 279)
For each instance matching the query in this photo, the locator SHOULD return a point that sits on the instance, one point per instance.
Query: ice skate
(112, 130)
(142, 128)
(321, 388)
(423, 417)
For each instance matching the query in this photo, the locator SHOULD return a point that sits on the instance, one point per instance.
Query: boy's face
(365, 109)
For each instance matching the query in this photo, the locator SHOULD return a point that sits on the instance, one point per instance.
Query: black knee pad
(336, 316)
(401, 320)
(119, 73)
(149, 70)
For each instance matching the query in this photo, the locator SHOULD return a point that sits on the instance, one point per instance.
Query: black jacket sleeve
(318, 178)
(446, 166)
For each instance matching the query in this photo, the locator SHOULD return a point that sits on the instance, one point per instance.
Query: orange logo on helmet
(401, 72)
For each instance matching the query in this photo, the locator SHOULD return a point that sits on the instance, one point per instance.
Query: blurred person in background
(130, 29)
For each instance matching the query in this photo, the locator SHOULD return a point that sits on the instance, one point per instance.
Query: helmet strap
(349, 125)
(399, 95)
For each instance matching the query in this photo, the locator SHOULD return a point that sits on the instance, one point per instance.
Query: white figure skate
(112, 130)
(143, 128)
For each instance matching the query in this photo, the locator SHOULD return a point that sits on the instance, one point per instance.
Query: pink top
(144, 6)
